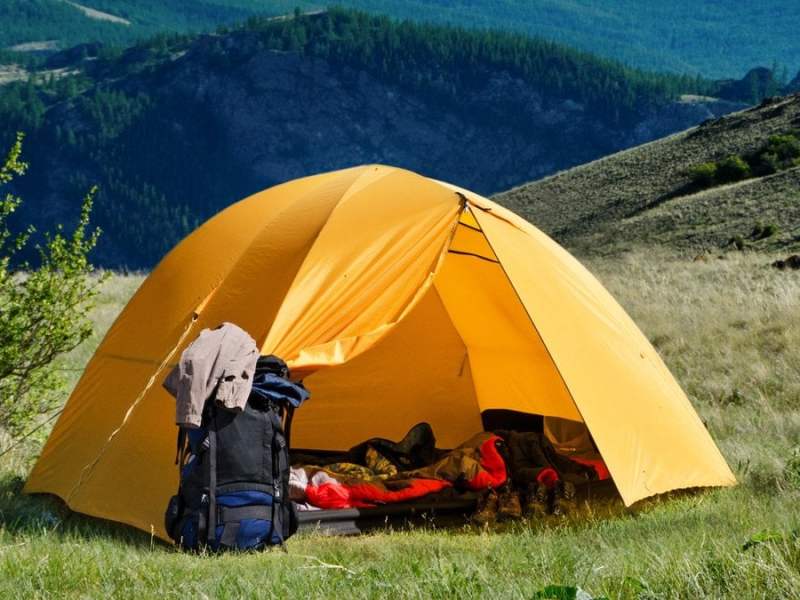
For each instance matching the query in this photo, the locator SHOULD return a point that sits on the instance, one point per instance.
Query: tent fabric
(400, 299)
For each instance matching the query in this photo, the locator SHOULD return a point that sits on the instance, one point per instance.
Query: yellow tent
(402, 299)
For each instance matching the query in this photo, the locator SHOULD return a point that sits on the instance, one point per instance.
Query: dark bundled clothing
(273, 388)
(416, 450)
(530, 453)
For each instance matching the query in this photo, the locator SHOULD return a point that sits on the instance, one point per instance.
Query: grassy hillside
(646, 195)
(711, 37)
(729, 332)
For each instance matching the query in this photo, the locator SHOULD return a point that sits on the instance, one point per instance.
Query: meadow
(729, 330)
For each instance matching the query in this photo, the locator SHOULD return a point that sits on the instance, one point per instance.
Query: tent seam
(467, 358)
(88, 469)
(264, 334)
(213, 287)
(533, 324)
(435, 267)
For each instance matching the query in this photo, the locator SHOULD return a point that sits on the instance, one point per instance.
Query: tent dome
(400, 299)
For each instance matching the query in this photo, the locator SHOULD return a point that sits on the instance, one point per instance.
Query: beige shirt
(220, 362)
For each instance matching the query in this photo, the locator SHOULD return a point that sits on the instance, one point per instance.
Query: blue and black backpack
(234, 469)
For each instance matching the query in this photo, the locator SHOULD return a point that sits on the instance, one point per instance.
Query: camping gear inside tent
(399, 299)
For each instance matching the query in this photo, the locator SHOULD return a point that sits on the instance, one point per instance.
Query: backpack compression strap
(212, 484)
(180, 452)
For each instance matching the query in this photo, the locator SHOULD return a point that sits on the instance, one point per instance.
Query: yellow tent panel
(400, 299)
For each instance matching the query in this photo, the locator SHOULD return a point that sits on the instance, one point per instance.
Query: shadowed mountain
(176, 128)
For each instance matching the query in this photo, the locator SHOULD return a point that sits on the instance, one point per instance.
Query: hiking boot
(486, 511)
(536, 501)
(508, 505)
(564, 498)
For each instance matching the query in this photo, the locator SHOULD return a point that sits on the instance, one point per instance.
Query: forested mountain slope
(178, 127)
(731, 183)
(716, 38)
(67, 23)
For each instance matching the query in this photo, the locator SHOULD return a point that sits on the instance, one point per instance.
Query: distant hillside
(648, 196)
(715, 38)
(122, 22)
(178, 127)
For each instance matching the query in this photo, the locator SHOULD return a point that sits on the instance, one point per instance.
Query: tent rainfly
(400, 299)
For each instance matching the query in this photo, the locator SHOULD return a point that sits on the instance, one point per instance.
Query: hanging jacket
(220, 362)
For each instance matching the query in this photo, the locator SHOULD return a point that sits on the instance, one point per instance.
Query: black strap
(232, 517)
(244, 486)
(212, 483)
(277, 493)
(287, 426)
(229, 534)
(227, 514)
(180, 452)
(285, 484)
(202, 526)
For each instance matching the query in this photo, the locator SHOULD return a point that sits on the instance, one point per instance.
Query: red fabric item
(548, 476)
(367, 495)
(374, 494)
(493, 474)
(598, 465)
(329, 495)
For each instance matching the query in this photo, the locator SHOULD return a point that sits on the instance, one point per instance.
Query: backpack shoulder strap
(180, 451)
(212, 482)
(287, 425)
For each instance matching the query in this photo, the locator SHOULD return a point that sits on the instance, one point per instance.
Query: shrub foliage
(779, 152)
(44, 309)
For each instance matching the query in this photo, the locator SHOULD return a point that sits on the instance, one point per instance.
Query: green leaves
(564, 592)
(44, 310)
(780, 152)
(791, 470)
(763, 537)
(13, 166)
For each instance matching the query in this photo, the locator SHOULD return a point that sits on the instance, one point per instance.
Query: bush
(762, 232)
(44, 310)
(785, 147)
(704, 175)
(733, 168)
(780, 152)
(791, 470)
(737, 242)
(766, 163)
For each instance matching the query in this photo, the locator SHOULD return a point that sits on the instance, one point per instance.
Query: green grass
(727, 328)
